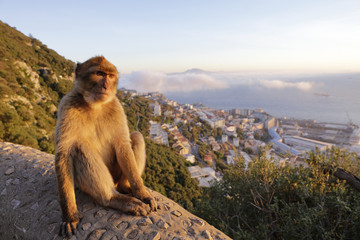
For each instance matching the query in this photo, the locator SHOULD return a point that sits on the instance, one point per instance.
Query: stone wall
(30, 209)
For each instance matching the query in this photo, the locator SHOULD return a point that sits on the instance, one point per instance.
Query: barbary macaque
(94, 148)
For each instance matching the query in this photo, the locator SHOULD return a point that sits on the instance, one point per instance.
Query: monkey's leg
(131, 160)
(138, 147)
(64, 175)
(93, 177)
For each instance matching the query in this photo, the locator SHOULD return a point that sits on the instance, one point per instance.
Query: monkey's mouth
(103, 92)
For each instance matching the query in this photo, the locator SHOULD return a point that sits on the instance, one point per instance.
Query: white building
(229, 160)
(247, 159)
(231, 131)
(189, 158)
(271, 122)
(224, 138)
(130, 92)
(236, 142)
(179, 109)
(156, 108)
(155, 129)
(355, 137)
(245, 112)
(157, 134)
(235, 111)
(168, 113)
(306, 144)
(278, 145)
(172, 103)
(189, 106)
(205, 176)
(219, 122)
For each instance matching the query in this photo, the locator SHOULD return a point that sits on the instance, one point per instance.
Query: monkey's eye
(111, 75)
(100, 73)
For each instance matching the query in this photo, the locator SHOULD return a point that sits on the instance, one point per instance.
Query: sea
(332, 98)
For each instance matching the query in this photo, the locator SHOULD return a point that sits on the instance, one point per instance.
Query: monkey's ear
(77, 69)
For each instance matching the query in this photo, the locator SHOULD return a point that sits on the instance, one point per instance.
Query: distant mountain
(196, 71)
(192, 71)
(33, 78)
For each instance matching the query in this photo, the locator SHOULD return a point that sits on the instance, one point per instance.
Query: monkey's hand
(146, 197)
(69, 226)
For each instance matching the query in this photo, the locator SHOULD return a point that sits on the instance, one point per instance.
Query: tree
(217, 132)
(166, 172)
(240, 133)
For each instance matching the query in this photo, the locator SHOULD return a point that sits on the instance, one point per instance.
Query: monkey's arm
(126, 159)
(65, 181)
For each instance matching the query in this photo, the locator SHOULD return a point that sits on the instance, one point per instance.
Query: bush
(166, 172)
(271, 202)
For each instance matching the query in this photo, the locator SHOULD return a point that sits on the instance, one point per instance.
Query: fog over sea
(327, 98)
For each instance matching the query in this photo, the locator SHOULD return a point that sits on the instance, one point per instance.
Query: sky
(173, 36)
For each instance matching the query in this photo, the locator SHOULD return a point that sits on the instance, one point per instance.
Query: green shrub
(271, 202)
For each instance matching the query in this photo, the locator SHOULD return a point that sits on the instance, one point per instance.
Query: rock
(197, 221)
(100, 213)
(30, 210)
(206, 234)
(122, 226)
(10, 170)
(176, 213)
(144, 221)
(97, 234)
(3, 192)
(153, 236)
(133, 234)
(86, 226)
(163, 225)
(15, 203)
(35, 206)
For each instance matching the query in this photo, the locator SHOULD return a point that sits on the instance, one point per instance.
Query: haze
(173, 36)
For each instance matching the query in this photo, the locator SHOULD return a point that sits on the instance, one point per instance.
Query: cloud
(146, 81)
(279, 84)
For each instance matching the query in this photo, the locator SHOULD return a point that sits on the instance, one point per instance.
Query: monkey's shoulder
(72, 100)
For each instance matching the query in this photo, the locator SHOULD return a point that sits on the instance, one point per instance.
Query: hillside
(33, 78)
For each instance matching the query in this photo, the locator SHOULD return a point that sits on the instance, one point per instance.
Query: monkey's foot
(146, 197)
(69, 227)
(138, 208)
(129, 205)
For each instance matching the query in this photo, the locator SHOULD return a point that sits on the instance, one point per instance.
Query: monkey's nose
(106, 84)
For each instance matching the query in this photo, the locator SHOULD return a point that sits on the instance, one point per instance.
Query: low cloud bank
(146, 81)
(279, 84)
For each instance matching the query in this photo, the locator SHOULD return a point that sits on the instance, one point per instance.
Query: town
(213, 139)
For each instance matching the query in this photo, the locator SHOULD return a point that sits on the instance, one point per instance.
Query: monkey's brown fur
(94, 148)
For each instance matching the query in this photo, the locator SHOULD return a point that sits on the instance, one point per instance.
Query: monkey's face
(96, 80)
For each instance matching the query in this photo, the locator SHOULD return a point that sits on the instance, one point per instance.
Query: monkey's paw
(138, 208)
(69, 227)
(146, 197)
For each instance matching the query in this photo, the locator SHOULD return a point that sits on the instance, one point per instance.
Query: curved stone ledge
(30, 209)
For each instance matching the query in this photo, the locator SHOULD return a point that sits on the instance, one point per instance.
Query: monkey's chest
(97, 140)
